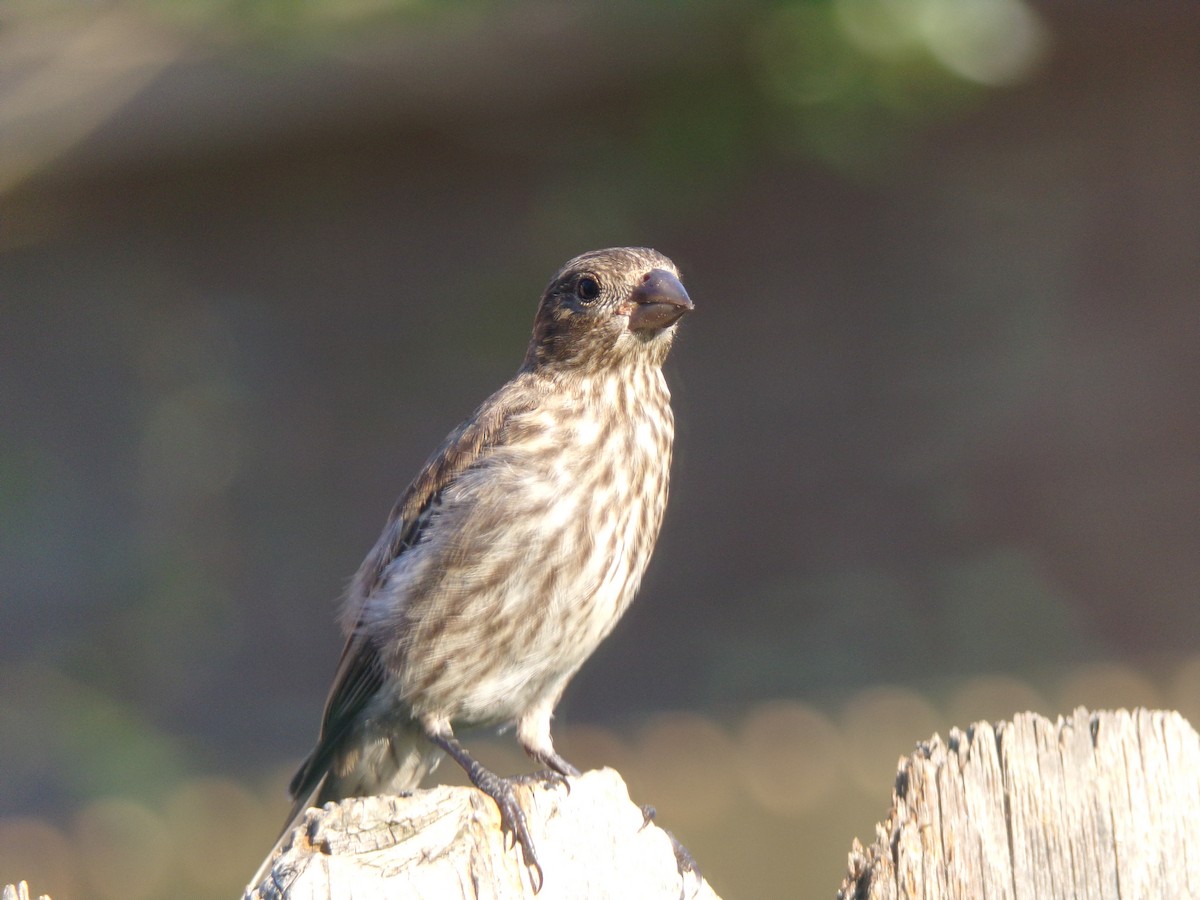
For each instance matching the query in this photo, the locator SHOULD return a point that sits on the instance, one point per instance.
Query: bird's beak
(659, 301)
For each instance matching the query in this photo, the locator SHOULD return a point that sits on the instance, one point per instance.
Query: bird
(513, 552)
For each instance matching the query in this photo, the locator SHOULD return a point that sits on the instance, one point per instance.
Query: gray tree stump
(446, 843)
(1099, 805)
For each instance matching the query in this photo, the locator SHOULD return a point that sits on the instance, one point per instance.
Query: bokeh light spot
(684, 765)
(992, 698)
(880, 725)
(37, 852)
(218, 819)
(124, 849)
(1106, 686)
(790, 757)
(992, 42)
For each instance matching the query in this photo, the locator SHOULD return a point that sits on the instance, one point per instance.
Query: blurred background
(938, 418)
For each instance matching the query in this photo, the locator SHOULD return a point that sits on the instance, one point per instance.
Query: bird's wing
(361, 671)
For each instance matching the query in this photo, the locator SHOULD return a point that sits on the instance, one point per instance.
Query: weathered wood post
(446, 843)
(18, 891)
(1097, 805)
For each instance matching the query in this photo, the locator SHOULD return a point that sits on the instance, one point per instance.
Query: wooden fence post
(1096, 805)
(446, 842)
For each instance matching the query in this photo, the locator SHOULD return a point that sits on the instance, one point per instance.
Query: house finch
(514, 551)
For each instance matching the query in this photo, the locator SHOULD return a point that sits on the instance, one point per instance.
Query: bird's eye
(587, 289)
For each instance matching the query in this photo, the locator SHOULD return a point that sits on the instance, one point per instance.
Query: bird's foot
(512, 817)
(557, 770)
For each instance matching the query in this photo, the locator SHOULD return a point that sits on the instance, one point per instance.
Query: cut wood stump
(446, 842)
(1097, 805)
(18, 891)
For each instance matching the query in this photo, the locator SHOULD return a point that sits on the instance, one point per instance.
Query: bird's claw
(554, 762)
(684, 860)
(512, 817)
(513, 822)
(545, 777)
(648, 814)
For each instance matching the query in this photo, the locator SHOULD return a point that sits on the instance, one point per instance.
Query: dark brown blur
(937, 420)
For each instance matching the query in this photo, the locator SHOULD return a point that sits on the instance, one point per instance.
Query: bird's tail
(374, 763)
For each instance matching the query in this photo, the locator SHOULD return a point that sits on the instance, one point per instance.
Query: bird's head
(608, 306)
